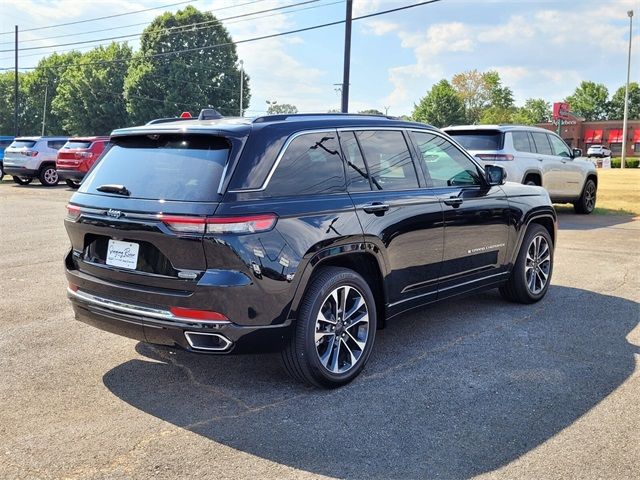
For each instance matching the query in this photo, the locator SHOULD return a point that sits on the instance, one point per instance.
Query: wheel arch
(532, 172)
(546, 218)
(363, 258)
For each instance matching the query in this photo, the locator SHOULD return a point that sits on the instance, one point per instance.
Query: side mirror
(576, 152)
(495, 174)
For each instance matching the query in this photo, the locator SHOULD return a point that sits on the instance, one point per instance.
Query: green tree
(497, 115)
(616, 105)
(442, 106)
(371, 111)
(499, 97)
(26, 124)
(208, 75)
(589, 100)
(535, 110)
(89, 98)
(46, 78)
(281, 108)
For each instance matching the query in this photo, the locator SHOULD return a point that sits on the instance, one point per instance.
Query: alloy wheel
(342, 329)
(537, 264)
(590, 196)
(50, 176)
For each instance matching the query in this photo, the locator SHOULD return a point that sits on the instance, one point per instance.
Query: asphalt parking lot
(474, 387)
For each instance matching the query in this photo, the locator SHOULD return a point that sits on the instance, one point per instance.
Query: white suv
(533, 156)
(33, 157)
(598, 151)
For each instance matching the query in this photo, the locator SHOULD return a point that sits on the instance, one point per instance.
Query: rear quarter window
(56, 144)
(521, 142)
(311, 164)
(163, 167)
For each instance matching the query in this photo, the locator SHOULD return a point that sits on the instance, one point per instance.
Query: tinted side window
(559, 147)
(389, 161)
(310, 164)
(521, 142)
(542, 143)
(357, 176)
(56, 144)
(446, 165)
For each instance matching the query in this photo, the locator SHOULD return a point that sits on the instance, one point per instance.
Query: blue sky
(541, 48)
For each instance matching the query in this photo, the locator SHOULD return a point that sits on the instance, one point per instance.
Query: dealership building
(580, 134)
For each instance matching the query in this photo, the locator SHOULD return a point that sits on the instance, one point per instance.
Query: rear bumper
(103, 308)
(20, 171)
(68, 174)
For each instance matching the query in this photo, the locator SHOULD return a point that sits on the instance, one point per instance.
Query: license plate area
(122, 254)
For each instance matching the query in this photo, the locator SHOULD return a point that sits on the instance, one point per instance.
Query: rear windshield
(478, 139)
(23, 143)
(76, 144)
(168, 167)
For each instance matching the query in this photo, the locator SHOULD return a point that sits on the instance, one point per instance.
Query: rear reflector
(72, 287)
(494, 157)
(73, 212)
(246, 224)
(202, 315)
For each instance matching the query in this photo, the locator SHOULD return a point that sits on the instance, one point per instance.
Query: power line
(180, 28)
(254, 39)
(119, 27)
(226, 23)
(102, 18)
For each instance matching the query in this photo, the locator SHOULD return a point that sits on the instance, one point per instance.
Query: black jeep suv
(298, 233)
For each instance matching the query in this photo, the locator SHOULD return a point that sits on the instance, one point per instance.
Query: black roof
(291, 122)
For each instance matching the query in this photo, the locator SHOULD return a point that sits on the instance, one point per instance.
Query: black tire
(22, 181)
(48, 176)
(531, 180)
(72, 183)
(301, 357)
(1, 172)
(518, 287)
(587, 201)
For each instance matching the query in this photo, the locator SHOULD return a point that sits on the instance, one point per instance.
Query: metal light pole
(44, 109)
(626, 95)
(15, 91)
(347, 57)
(241, 88)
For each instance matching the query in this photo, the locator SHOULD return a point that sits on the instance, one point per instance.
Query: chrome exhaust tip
(211, 342)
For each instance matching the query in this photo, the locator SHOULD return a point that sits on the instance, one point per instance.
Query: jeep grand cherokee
(298, 233)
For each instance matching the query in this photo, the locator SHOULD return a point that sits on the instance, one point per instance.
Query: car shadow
(452, 390)
(567, 220)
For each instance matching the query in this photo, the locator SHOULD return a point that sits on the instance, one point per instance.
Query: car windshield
(164, 167)
(478, 139)
(23, 144)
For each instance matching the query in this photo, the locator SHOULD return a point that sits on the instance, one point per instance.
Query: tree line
(473, 97)
(113, 86)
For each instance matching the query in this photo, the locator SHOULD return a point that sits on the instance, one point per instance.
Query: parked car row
(50, 159)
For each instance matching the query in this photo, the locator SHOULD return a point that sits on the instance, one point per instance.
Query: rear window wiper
(119, 189)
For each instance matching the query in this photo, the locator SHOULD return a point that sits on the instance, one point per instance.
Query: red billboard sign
(561, 111)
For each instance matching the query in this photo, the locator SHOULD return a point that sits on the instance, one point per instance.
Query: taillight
(73, 212)
(84, 154)
(494, 157)
(29, 153)
(245, 224)
(249, 224)
(201, 315)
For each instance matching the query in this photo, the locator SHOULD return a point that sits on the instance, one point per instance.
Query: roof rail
(287, 116)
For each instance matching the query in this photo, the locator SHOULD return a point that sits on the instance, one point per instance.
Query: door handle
(454, 202)
(539, 159)
(375, 207)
